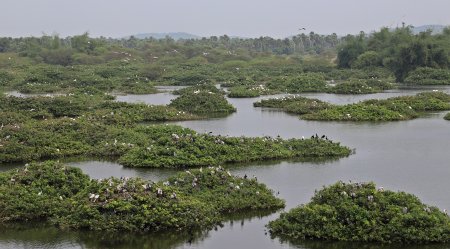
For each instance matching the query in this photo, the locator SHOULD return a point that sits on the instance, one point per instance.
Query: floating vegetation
(186, 148)
(90, 104)
(202, 102)
(307, 82)
(198, 88)
(248, 91)
(361, 212)
(40, 128)
(361, 86)
(392, 109)
(447, 116)
(294, 104)
(53, 193)
(429, 76)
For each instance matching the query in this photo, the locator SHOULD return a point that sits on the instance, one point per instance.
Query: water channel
(411, 156)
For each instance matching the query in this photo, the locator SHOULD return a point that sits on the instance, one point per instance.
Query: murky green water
(412, 156)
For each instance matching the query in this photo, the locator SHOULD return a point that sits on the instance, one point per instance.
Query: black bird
(323, 136)
(245, 176)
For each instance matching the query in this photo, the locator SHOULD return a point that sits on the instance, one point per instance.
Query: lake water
(412, 156)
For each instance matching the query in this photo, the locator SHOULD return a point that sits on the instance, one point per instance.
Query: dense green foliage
(428, 76)
(202, 102)
(361, 212)
(186, 148)
(198, 88)
(397, 108)
(401, 51)
(89, 104)
(63, 196)
(294, 65)
(308, 82)
(54, 64)
(83, 125)
(294, 104)
(249, 91)
(361, 86)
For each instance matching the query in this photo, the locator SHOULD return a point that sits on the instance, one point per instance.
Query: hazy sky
(249, 18)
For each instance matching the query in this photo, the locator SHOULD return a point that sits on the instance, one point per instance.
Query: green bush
(429, 76)
(361, 212)
(307, 82)
(361, 86)
(295, 104)
(197, 88)
(202, 102)
(398, 108)
(91, 124)
(53, 193)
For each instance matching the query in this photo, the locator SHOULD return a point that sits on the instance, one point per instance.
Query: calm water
(412, 156)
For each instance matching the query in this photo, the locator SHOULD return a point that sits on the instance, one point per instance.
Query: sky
(246, 18)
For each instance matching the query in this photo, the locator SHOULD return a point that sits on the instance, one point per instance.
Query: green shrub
(249, 91)
(198, 88)
(307, 82)
(53, 193)
(295, 104)
(361, 212)
(361, 86)
(398, 108)
(202, 102)
(428, 76)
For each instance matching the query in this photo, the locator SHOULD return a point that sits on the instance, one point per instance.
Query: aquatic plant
(53, 193)
(361, 86)
(361, 212)
(428, 76)
(196, 88)
(392, 109)
(249, 91)
(307, 82)
(91, 124)
(202, 102)
(294, 104)
(186, 148)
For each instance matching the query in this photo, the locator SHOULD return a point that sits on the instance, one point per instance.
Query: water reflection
(103, 169)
